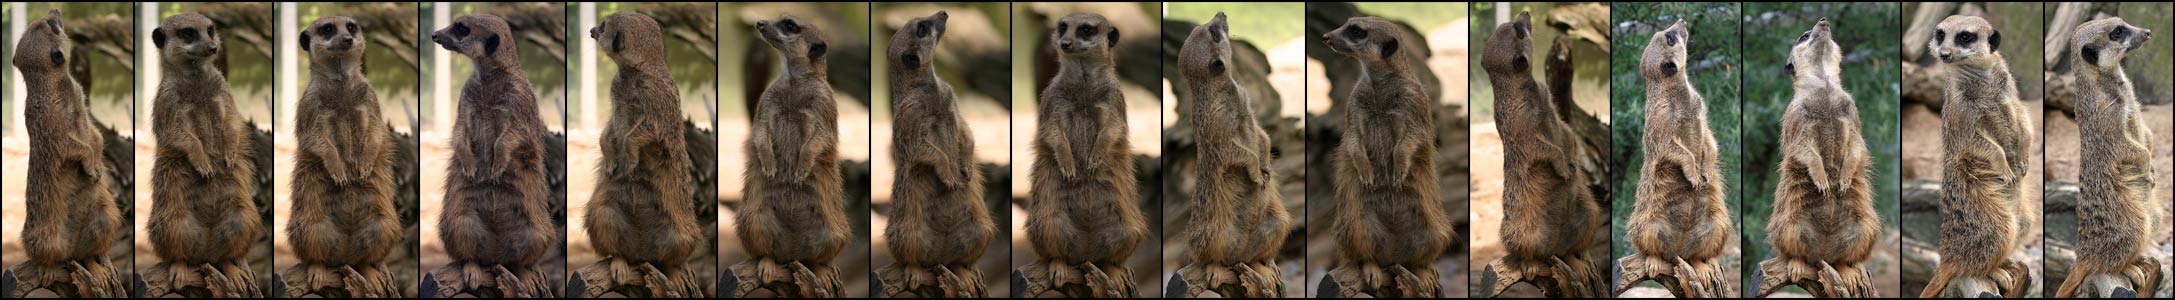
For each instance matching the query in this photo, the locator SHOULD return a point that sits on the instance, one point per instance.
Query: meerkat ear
(1113, 37)
(1993, 41)
(1389, 48)
(1669, 68)
(2091, 54)
(305, 41)
(817, 50)
(158, 37)
(490, 45)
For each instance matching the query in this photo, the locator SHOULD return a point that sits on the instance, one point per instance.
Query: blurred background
(1714, 59)
(1923, 79)
(247, 35)
(543, 33)
(846, 28)
(1870, 71)
(104, 61)
(1442, 29)
(1268, 53)
(690, 38)
(973, 48)
(1582, 25)
(391, 57)
(1138, 50)
(2148, 70)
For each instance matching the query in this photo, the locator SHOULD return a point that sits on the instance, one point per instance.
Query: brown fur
(1084, 204)
(1237, 216)
(1987, 136)
(641, 209)
(496, 209)
(72, 216)
(1387, 212)
(938, 216)
(1824, 195)
(1545, 212)
(203, 182)
(795, 209)
(343, 175)
(2116, 214)
(1680, 212)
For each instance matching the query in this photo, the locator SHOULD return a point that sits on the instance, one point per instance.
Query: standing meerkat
(203, 215)
(497, 214)
(1237, 220)
(343, 215)
(1386, 191)
(642, 211)
(2116, 214)
(72, 217)
(1987, 137)
(1084, 211)
(938, 223)
(1824, 195)
(1548, 214)
(1680, 213)
(795, 211)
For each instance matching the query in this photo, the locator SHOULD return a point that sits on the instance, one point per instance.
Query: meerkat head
(1665, 54)
(187, 39)
(797, 40)
(1369, 39)
(483, 38)
(1507, 52)
(1207, 51)
(334, 42)
(43, 49)
(1815, 54)
(1084, 35)
(630, 39)
(2101, 44)
(1966, 40)
(914, 46)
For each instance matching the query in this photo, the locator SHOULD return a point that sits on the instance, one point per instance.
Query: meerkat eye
(351, 28)
(1965, 38)
(921, 29)
(1804, 36)
(188, 34)
(2121, 33)
(1355, 33)
(460, 30)
(1087, 30)
(1671, 38)
(325, 30)
(1061, 28)
(789, 26)
(1939, 35)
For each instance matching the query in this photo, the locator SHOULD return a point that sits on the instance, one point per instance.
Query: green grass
(1266, 24)
(1714, 36)
(1859, 28)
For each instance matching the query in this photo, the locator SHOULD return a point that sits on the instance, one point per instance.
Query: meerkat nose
(761, 24)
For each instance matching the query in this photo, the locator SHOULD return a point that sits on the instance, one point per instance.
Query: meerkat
(496, 211)
(1680, 212)
(1386, 187)
(202, 209)
(1546, 213)
(1238, 219)
(1084, 200)
(1824, 197)
(641, 210)
(2116, 213)
(1987, 135)
(938, 221)
(343, 181)
(795, 210)
(72, 216)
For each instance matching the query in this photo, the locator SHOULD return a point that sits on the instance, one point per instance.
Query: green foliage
(1864, 29)
(1714, 39)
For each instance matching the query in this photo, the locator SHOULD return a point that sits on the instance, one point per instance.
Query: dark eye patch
(1062, 27)
(1939, 35)
(1087, 30)
(1671, 38)
(921, 29)
(1966, 38)
(460, 30)
(1806, 36)
(2121, 33)
(351, 28)
(188, 35)
(325, 30)
(790, 26)
(1354, 32)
